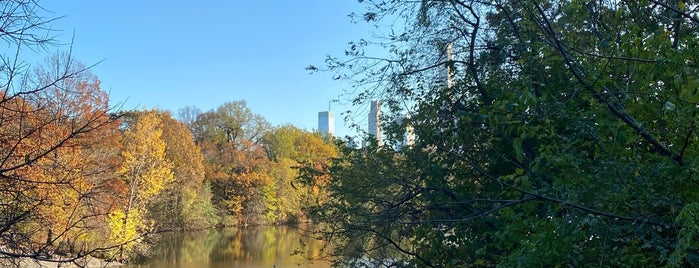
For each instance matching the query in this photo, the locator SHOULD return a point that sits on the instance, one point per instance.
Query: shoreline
(86, 262)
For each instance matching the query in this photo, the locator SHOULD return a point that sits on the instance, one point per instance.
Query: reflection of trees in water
(185, 248)
(261, 245)
(256, 244)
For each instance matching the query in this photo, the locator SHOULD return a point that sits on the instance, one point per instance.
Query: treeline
(224, 167)
(79, 177)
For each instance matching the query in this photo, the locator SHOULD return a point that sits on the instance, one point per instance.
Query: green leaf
(695, 98)
(519, 153)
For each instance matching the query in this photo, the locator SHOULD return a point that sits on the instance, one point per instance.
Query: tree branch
(613, 105)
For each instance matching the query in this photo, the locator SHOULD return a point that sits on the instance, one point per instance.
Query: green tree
(550, 133)
(229, 123)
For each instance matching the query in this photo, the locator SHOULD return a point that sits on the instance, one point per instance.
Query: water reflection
(264, 246)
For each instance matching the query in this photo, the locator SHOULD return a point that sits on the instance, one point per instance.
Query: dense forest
(549, 134)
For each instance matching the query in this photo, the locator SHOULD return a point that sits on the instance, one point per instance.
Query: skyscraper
(450, 65)
(409, 136)
(375, 121)
(326, 123)
(446, 55)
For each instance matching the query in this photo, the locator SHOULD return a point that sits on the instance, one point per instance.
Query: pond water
(248, 247)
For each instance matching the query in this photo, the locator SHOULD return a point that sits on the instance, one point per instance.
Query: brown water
(250, 247)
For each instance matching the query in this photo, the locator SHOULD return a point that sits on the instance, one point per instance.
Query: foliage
(251, 167)
(549, 133)
(229, 123)
(55, 156)
(127, 226)
(290, 149)
(77, 178)
(201, 212)
(234, 163)
(145, 171)
(145, 168)
(175, 205)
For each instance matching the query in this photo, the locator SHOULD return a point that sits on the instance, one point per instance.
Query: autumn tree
(235, 163)
(549, 133)
(229, 123)
(56, 154)
(54, 121)
(291, 149)
(146, 171)
(85, 165)
(185, 202)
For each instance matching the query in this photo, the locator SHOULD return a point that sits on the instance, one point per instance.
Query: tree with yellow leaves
(185, 202)
(146, 171)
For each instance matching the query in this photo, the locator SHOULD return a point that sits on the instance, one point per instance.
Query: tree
(549, 133)
(229, 123)
(183, 203)
(290, 149)
(56, 156)
(146, 172)
(235, 164)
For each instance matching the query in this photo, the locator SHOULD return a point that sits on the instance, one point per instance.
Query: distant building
(450, 64)
(326, 123)
(446, 74)
(375, 121)
(408, 133)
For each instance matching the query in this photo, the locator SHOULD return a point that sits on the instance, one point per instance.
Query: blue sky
(171, 54)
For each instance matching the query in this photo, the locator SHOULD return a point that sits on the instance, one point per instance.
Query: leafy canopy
(549, 133)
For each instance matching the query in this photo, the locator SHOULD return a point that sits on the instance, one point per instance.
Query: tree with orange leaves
(56, 159)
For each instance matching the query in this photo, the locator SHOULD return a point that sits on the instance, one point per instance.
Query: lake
(248, 247)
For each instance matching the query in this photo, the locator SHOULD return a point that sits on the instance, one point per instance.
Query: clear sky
(171, 54)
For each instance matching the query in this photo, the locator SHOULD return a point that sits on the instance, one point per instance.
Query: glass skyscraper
(326, 123)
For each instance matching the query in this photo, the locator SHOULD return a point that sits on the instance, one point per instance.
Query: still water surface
(250, 247)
